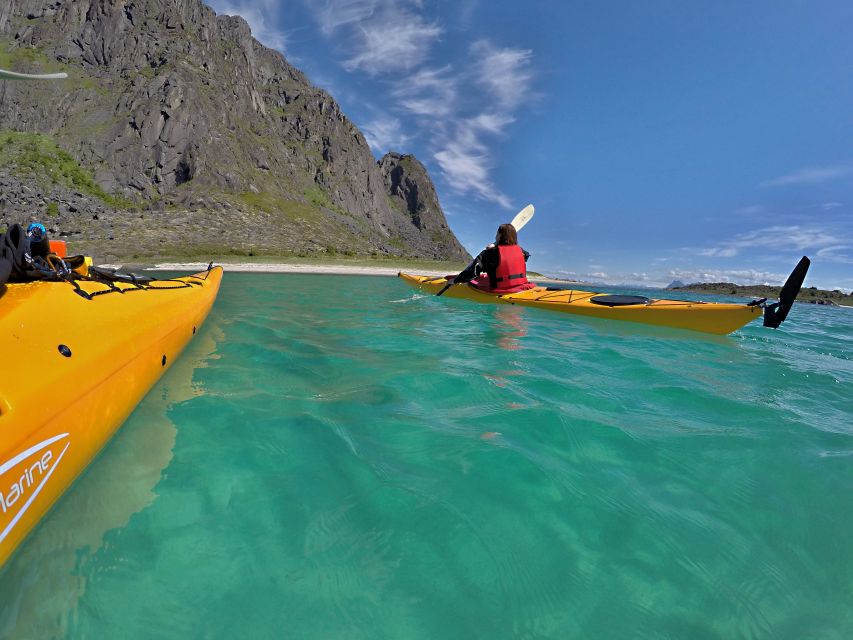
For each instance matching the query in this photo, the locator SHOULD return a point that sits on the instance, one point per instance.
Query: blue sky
(658, 140)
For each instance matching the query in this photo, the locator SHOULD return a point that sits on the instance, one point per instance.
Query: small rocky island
(812, 295)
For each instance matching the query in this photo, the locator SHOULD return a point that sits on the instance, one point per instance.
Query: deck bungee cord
(27, 256)
(97, 354)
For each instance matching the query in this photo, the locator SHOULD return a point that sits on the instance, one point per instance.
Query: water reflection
(510, 326)
(42, 583)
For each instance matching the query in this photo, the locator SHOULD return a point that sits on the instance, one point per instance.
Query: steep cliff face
(173, 108)
(412, 192)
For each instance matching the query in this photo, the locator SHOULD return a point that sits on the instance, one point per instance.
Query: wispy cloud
(395, 42)
(385, 134)
(261, 15)
(594, 276)
(465, 162)
(334, 14)
(505, 73)
(718, 252)
(840, 253)
(382, 36)
(464, 153)
(810, 175)
(464, 108)
(735, 276)
(428, 92)
(786, 238)
(493, 123)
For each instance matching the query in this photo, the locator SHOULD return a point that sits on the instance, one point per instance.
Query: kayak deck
(708, 317)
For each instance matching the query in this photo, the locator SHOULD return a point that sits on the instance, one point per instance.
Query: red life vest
(512, 270)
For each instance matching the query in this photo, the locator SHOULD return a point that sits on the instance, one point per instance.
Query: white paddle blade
(522, 217)
(14, 75)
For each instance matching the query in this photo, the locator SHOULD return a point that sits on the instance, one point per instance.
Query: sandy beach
(331, 269)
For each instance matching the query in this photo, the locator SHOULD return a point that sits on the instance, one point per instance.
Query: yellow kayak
(708, 317)
(78, 357)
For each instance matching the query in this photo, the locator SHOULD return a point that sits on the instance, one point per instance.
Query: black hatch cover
(619, 301)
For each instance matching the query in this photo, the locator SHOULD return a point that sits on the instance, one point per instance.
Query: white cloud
(810, 175)
(735, 276)
(385, 134)
(493, 123)
(464, 154)
(718, 252)
(461, 108)
(334, 14)
(841, 253)
(466, 170)
(381, 36)
(787, 238)
(465, 161)
(428, 92)
(578, 276)
(829, 206)
(395, 40)
(505, 73)
(260, 14)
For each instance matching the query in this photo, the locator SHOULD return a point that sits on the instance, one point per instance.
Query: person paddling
(500, 267)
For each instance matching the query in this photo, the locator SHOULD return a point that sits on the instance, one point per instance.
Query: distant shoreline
(806, 294)
(278, 267)
(315, 269)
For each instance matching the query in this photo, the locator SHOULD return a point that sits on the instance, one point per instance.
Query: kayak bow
(78, 359)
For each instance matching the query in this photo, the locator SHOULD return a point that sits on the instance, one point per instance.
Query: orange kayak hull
(75, 370)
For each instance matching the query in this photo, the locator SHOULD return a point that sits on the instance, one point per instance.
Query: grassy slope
(37, 155)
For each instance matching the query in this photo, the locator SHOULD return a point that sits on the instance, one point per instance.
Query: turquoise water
(340, 457)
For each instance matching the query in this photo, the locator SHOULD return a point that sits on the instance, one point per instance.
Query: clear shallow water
(339, 457)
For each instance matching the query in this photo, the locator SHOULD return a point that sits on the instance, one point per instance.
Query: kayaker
(500, 267)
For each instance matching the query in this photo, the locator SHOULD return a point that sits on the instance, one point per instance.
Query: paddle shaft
(14, 75)
(445, 288)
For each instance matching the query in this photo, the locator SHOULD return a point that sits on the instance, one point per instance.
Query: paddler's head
(506, 235)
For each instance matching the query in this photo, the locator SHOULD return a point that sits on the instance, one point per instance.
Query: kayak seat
(619, 301)
(5, 267)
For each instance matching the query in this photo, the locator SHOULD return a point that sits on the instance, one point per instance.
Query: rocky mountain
(177, 131)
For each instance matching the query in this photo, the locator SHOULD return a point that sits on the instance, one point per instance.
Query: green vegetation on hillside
(34, 60)
(35, 155)
(273, 203)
